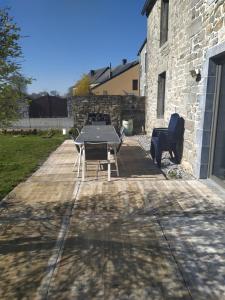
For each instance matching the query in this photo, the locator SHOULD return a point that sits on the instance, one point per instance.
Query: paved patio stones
(114, 250)
(136, 237)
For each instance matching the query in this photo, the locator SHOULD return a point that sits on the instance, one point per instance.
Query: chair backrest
(173, 122)
(98, 117)
(96, 151)
(106, 118)
(73, 137)
(122, 133)
(176, 127)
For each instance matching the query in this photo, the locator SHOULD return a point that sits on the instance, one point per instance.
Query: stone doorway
(212, 149)
(208, 102)
(217, 149)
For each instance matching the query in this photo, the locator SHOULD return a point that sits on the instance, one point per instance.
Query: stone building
(186, 74)
(142, 53)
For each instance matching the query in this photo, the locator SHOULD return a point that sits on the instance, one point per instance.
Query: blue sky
(67, 38)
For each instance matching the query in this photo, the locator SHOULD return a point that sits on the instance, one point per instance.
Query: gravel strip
(169, 168)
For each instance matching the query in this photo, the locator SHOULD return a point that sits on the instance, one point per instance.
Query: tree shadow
(120, 251)
(28, 235)
(125, 241)
(134, 162)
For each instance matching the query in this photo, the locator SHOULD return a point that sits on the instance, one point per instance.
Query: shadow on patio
(133, 163)
(123, 244)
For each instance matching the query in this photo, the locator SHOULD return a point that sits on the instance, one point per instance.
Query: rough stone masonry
(195, 26)
(118, 107)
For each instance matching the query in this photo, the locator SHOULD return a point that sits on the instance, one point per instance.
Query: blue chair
(168, 139)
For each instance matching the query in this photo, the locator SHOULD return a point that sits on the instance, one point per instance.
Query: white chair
(93, 151)
(115, 150)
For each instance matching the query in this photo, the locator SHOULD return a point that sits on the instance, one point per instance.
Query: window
(161, 95)
(105, 92)
(164, 21)
(135, 85)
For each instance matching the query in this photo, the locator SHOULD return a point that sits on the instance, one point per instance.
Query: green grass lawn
(21, 155)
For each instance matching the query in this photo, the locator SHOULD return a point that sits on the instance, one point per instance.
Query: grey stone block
(195, 27)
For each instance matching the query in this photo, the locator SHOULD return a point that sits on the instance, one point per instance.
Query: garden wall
(118, 107)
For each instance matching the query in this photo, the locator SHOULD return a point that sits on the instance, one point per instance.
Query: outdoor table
(97, 133)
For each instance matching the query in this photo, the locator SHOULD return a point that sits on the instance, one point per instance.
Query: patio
(136, 237)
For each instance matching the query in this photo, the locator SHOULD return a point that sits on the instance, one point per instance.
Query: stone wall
(195, 26)
(118, 107)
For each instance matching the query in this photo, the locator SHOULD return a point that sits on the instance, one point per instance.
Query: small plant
(174, 173)
(34, 131)
(73, 131)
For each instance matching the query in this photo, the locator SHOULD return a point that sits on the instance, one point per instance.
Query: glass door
(218, 161)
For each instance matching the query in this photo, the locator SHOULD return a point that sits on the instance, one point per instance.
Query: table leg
(109, 167)
(79, 160)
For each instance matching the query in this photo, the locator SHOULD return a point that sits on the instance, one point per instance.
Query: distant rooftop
(95, 75)
(102, 75)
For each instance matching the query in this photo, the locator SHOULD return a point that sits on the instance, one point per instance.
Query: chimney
(124, 61)
(110, 71)
(92, 72)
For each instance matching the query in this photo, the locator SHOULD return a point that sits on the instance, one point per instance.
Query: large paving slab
(114, 249)
(132, 240)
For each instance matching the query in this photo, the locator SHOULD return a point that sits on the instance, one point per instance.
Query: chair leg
(83, 165)
(171, 154)
(109, 171)
(152, 151)
(176, 156)
(99, 168)
(79, 161)
(117, 168)
(109, 166)
(116, 161)
(159, 158)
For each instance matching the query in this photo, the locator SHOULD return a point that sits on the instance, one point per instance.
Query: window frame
(161, 95)
(164, 22)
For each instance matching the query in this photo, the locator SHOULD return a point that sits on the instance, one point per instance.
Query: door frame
(216, 103)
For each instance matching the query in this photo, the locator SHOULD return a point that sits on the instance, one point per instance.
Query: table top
(98, 133)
